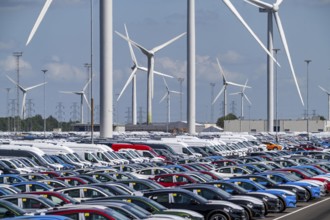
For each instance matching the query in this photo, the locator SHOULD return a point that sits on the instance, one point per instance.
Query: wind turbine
(134, 68)
(106, 67)
(328, 93)
(151, 59)
(167, 96)
(272, 10)
(224, 88)
(243, 96)
(82, 97)
(24, 91)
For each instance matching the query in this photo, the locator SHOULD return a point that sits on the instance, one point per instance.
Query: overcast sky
(62, 46)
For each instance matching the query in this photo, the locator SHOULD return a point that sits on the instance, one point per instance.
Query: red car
(304, 175)
(174, 179)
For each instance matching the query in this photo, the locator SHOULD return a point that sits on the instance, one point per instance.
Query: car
(271, 202)
(272, 146)
(286, 178)
(303, 174)
(231, 171)
(301, 193)
(184, 199)
(254, 207)
(175, 179)
(29, 202)
(85, 192)
(90, 211)
(141, 184)
(40, 217)
(57, 197)
(102, 177)
(154, 207)
(32, 186)
(34, 176)
(11, 178)
(151, 172)
(112, 188)
(72, 180)
(8, 209)
(287, 198)
(54, 183)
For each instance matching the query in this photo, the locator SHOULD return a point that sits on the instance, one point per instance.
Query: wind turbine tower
(272, 10)
(328, 93)
(243, 96)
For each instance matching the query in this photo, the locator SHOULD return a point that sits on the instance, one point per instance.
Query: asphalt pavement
(317, 209)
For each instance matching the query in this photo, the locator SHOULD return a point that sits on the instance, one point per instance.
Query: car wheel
(282, 206)
(266, 208)
(308, 196)
(218, 216)
(247, 214)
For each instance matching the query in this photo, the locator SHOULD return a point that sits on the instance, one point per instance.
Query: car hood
(219, 202)
(247, 198)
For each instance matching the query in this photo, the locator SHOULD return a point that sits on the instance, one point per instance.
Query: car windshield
(116, 214)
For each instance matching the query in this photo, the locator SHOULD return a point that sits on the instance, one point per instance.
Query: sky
(62, 45)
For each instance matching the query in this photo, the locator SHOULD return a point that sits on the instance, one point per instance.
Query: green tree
(221, 121)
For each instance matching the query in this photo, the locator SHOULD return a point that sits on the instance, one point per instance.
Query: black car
(184, 199)
(141, 184)
(272, 202)
(253, 207)
(301, 193)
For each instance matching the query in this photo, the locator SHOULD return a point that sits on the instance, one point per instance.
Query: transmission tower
(8, 109)
(17, 122)
(140, 115)
(233, 107)
(60, 113)
(128, 115)
(30, 111)
(74, 112)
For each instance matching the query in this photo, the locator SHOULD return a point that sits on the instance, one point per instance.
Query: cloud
(10, 64)
(7, 45)
(59, 71)
(231, 57)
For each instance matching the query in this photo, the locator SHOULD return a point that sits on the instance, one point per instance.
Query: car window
(246, 186)
(32, 204)
(161, 198)
(182, 179)
(91, 193)
(181, 198)
(21, 187)
(55, 199)
(74, 216)
(75, 193)
(224, 170)
(165, 179)
(206, 193)
(146, 172)
(139, 186)
(94, 216)
(36, 188)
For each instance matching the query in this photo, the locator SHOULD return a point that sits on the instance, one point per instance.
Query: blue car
(31, 186)
(286, 178)
(287, 197)
(310, 168)
(12, 178)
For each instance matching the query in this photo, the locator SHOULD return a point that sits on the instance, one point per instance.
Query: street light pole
(180, 79)
(276, 95)
(44, 71)
(307, 62)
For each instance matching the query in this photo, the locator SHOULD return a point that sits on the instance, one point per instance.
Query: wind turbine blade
(166, 84)
(249, 2)
(261, 4)
(235, 84)
(221, 91)
(175, 92)
(38, 21)
(85, 87)
(166, 94)
(235, 12)
(235, 93)
(222, 72)
(163, 74)
(32, 87)
(86, 101)
(130, 47)
(247, 99)
(20, 87)
(245, 85)
(68, 92)
(155, 49)
(286, 48)
(278, 2)
(127, 82)
(144, 50)
(324, 90)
